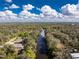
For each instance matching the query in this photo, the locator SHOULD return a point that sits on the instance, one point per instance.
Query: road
(9, 42)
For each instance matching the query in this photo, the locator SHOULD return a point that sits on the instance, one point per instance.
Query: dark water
(41, 44)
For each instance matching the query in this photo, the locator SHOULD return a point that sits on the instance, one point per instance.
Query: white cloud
(6, 16)
(13, 6)
(48, 11)
(28, 7)
(70, 10)
(6, 8)
(25, 13)
(2, 14)
(70, 13)
(9, 1)
(9, 13)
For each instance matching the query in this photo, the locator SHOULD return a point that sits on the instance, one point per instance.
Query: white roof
(75, 55)
(1, 46)
(19, 46)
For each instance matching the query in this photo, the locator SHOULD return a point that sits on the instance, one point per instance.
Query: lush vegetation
(61, 40)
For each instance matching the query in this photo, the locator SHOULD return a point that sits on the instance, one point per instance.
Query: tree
(10, 51)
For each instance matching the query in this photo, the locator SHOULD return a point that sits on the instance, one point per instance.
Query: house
(18, 43)
(18, 46)
(75, 55)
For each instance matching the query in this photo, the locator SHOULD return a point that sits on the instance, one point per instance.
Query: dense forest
(61, 40)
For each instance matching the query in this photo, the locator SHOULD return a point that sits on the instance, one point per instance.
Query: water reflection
(41, 44)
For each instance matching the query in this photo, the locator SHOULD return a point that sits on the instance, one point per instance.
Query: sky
(39, 11)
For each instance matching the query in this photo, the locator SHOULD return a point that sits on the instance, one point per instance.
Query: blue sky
(39, 10)
(55, 4)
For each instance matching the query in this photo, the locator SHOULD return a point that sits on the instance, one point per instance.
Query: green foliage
(21, 56)
(30, 53)
(10, 51)
(65, 34)
(23, 34)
